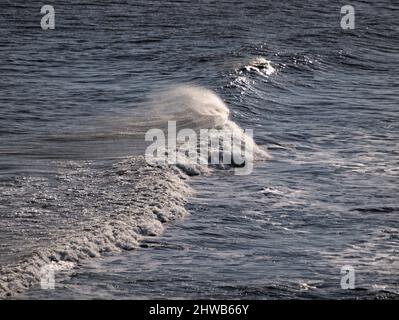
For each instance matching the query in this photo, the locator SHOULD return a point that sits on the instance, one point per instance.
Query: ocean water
(77, 194)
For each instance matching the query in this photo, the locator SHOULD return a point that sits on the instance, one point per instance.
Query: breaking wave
(84, 209)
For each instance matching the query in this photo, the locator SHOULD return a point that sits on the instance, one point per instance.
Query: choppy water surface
(74, 103)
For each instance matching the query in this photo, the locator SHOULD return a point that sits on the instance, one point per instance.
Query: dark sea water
(73, 189)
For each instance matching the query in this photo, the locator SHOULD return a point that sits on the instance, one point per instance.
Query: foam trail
(110, 210)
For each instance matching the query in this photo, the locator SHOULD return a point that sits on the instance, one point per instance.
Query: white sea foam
(98, 212)
(197, 108)
(261, 66)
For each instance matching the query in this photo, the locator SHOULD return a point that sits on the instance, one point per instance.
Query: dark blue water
(325, 105)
